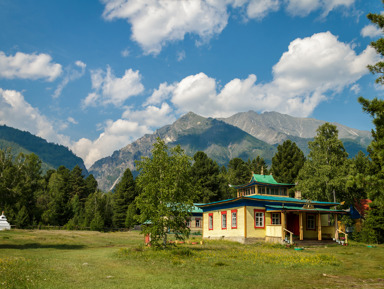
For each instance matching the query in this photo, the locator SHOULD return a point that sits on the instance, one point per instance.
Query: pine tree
(124, 195)
(287, 162)
(324, 173)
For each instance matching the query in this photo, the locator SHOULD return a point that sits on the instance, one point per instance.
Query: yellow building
(263, 210)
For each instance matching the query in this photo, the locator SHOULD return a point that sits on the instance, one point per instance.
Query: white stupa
(4, 225)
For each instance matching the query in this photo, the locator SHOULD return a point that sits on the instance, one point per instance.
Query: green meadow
(81, 259)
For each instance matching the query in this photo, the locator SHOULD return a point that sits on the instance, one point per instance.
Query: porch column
(283, 225)
(301, 226)
(336, 232)
(319, 227)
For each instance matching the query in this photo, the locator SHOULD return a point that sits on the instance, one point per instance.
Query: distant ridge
(244, 135)
(52, 155)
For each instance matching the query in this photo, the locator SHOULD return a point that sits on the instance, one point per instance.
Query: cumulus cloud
(371, 31)
(156, 23)
(29, 66)
(109, 89)
(310, 68)
(71, 75)
(152, 116)
(17, 113)
(116, 134)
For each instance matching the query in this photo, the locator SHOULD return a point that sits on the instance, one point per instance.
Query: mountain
(219, 140)
(274, 128)
(52, 155)
(245, 135)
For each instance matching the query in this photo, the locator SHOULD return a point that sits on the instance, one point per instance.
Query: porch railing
(290, 236)
(345, 235)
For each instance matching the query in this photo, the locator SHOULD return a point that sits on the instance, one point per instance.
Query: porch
(295, 224)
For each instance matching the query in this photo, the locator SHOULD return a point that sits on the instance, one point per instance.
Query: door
(293, 223)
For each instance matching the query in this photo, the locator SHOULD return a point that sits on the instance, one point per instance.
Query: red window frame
(226, 220)
(233, 226)
(198, 219)
(314, 220)
(254, 216)
(210, 217)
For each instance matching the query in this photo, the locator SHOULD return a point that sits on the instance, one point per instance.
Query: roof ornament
(308, 205)
(262, 171)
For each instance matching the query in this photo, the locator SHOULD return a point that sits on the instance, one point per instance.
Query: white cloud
(29, 66)
(181, 55)
(260, 8)
(355, 88)
(125, 52)
(371, 31)
(156, 23)
(17, 113)
(116, 134)
(152, 116)
(311, 67)
(109, 89)
(71, 75)
(305, 7)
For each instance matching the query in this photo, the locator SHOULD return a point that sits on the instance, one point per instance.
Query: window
(210, 221)
(234, 219)
(189, 223)
(311, 222)
(259, 218)
(276, 220)
(198, 223)
(224, 220)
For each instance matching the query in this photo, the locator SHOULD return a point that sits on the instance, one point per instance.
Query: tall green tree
(324, 173)
(166, 192)
(373, 229)
(258, 165)
(238, 172)
(287, 162)
(206, 175)
(124, 195)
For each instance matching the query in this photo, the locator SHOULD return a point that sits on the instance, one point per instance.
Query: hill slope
(217, 139)
(52, 155)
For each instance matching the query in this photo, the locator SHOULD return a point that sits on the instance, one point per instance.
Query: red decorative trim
(233, 226)
(306, 225)
(226, 220)
(210, 215)
(254, 216)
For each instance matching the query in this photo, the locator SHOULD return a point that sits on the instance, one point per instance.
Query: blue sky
(97, 75)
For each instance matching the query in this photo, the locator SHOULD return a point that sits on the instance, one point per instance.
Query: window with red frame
(259, 218)
(210, 221)
(234, 219)
(224, 220)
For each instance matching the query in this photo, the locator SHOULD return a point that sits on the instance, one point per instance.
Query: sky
(97, 75)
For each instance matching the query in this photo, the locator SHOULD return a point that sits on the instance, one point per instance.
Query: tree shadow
(41, 246)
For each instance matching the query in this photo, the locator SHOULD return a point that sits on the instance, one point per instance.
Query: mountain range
(52, 155)
(244, 135)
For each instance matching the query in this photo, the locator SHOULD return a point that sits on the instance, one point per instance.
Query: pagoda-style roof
(262, 180)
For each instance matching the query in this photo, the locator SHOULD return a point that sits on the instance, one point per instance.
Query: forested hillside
(52, 155)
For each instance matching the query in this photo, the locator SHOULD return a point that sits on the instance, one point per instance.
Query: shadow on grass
(41, 246)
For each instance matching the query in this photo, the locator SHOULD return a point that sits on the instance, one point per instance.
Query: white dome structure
(4, 225)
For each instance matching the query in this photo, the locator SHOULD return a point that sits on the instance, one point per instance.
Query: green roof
(296, 208)
(261, 179)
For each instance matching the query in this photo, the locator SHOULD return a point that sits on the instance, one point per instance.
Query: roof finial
(262, 170)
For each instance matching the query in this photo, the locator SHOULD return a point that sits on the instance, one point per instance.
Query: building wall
(251, 231)
(218, 231)
(193, 227)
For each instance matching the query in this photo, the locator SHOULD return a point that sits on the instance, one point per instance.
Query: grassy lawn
(79, 259)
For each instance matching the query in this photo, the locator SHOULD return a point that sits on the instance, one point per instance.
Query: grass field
(79, 259)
